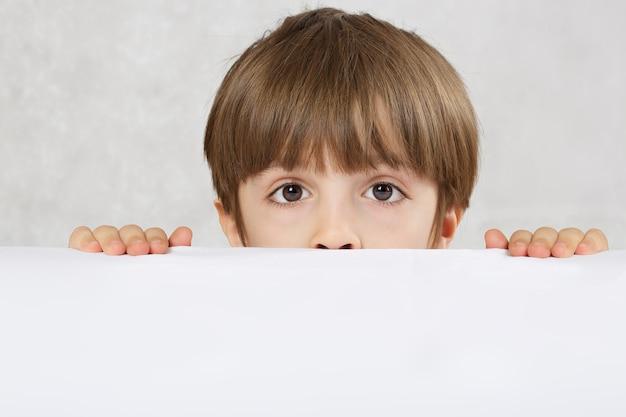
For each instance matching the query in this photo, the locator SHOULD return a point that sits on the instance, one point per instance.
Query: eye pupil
(384, 191)
(292, 192)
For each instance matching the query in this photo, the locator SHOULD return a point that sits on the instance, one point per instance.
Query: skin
(338, 211)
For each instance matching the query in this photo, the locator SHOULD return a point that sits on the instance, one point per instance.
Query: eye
(383, 192)
(288, 194)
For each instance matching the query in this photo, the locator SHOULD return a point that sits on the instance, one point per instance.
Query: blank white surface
(302, 332)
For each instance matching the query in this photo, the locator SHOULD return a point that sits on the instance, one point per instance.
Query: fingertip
(487, 238)
(92, 246)
(518, 249)
(490, 232)
(182, 236)
(495, 239)
(584, 249)
(158, 246)
(538, 251)
(138, 247)
(115, 247)
(560, 250)
(189, 232)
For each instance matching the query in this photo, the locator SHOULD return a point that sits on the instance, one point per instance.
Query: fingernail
(538, 250)
(93, 245)
(518, 248)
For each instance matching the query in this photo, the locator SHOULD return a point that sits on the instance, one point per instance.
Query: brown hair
(319, 83)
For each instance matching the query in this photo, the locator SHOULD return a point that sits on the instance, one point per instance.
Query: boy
(341, 131)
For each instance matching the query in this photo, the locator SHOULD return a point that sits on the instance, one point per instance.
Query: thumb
(181, 236)
(494, 238)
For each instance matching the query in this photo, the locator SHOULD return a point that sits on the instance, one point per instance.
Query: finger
(541, 244)
(593, 242)
(109, 239)
(181, 236)
(494, 238)
(518, 244)
(157, 239)
(134, 239)
(566, 242)
(83, 240)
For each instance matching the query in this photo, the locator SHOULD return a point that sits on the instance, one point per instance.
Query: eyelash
(291, 204)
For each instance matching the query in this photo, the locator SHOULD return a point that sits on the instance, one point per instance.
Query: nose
(335, 234)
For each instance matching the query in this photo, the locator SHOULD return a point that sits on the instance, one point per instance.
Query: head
(341, 130)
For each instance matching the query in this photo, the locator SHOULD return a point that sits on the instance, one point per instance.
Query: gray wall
(103, 105)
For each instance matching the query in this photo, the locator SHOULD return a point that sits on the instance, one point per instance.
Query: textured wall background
(103, 106)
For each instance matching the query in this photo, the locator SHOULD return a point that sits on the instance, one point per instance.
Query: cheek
(270, 226)
(268, 214)
(407, 226)
(418, 229)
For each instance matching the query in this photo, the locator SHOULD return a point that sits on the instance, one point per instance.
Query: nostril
(346, 246)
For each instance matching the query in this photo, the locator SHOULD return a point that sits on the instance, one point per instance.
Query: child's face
(337, 211)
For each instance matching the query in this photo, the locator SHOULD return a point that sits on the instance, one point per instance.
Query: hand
(547, 241)
(129, 239)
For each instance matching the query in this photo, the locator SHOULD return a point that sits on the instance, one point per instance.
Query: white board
(304, 332)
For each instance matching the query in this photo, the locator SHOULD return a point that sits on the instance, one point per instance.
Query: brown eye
(383, 191)
(287, 194)
(292, 192)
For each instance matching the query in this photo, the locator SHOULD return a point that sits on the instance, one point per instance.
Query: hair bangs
(327, 109)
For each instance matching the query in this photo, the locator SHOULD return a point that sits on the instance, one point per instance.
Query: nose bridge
(336, 223)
